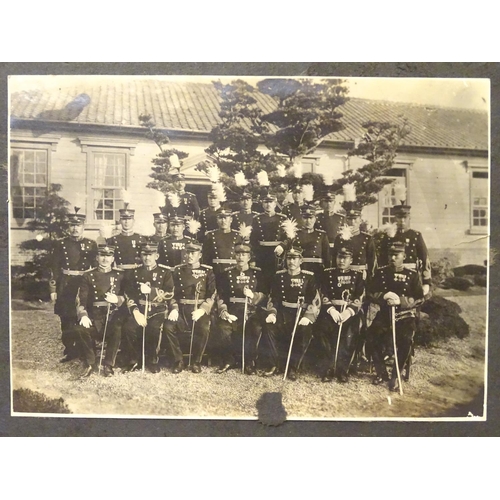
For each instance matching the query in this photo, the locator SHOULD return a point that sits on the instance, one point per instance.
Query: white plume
(125, 196)
(213, 173)
(400, 193)
(240, 179)
(193, 226)
(105, 230)
(349, 192)
(262, 178)
(308, 192)
(329, 177)
(296, 169)
(159, 198)
(245, 231)
(290, 228)
(390, 229)
(174, 161)
(220, 191)
(346, 233)
(174, 199)
(281, 169)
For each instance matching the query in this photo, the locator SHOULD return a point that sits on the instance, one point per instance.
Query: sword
(345, 298)
(243, 341)
(393, 321)
(196, 297)
(300, 301)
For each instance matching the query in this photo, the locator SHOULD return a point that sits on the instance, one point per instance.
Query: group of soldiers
(239, 280)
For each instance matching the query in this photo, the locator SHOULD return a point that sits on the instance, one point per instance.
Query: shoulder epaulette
(164, 266)
(230, 268)
(90, 270)
(255, 268)
(206, 265)
(305, 271)
(281, 271)
(320, 230)
(329, 268)
(210, 232)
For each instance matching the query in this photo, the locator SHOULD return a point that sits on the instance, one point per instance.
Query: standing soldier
(149, 285)
(208, 216)
(99, 297)
(183, 203)
(342, 289)
(293, 210)
(194, 295)
(160, 223)
(171, 250)
(267, 234)
(397, 291)
(218, 246)
(293, 291)
(237, 285)
(70, 258)
(127, 243)
(245, 215)
(329, 220)
(281, 194)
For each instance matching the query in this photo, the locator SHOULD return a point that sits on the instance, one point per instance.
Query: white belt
(101, 303)
(190, 301)
(269, 243)
(150, 304)
(292, 305)
(69, 272)
(224, 261)
(360, 267)
(410, 266)
(128, 266)
(237, 300)
(338, 302)
(317, 260)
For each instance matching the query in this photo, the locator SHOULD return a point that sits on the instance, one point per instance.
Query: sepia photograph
(249, 247)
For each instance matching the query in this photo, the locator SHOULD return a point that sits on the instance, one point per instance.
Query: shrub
(441, 270)
(28, 401)
(470, 270)
(457, 283)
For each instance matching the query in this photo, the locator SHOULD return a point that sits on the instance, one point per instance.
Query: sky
(449, 92)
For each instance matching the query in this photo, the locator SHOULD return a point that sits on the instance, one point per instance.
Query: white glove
(111, 298)
(231, 318)
(173, 315)
(248, 293)
(53, 297)
(390, 295)
(394, 302)
(85, 322)
(197, 314)
(271, 318)
(346, 314)
(145, 288)
(305, 322)
(426, 289)
(279, 250)
(334, 314)
(140, 318)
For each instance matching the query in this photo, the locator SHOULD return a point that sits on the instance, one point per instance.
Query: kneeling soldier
(293, 291)
(194, 295)
(398, 291)
(99, 297)
(149, 285)
(237, 285)
(342, 289)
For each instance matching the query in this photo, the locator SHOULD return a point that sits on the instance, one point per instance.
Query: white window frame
(406, 167)
(473, 169)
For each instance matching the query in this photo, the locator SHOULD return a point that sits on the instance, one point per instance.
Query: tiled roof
(195, 106)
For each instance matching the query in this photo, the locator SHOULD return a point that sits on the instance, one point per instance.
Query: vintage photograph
(249, 247)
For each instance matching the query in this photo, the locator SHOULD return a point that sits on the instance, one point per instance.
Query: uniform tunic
(331, 224)
(283, 298)
(172, 251)
(292, 211)
(338, 285)
(407, 285)
(242, 218)
(316, 250)
(91, 302)
(186, 280)
(69, 260)
(231, 298)
(417, 256)
(218, 249)
(127, 249)
(188, 206)
(364, 252)
(208, 221)
(162, 289)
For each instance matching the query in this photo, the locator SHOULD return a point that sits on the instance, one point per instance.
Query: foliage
(28, 401)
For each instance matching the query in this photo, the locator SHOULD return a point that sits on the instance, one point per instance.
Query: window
(308, 164)
(479, 201)
(29, 181)
(387, 198)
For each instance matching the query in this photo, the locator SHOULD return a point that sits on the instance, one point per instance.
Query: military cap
(246, 196)
(269, 197)
(297, 189)
(176, 219)
(212, 195)
(178, 176)
(193, 246)
(160, 217)
(307, 211)
(397, 247)
(76, 219)
(148, 247)
(401, 209)
(281, 188)
(294, 251)
(223, 212)
(126, 212)
(328, 196)
(105, 249)
(346, 249)
(242, 247)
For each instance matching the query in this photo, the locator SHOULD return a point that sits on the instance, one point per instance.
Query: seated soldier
(99, 297)
(342, 289)
(149, 286)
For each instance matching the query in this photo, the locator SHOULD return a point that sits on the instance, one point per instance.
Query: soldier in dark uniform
(208, 216)
(395, 289)
(266, 235)
(342, 290)
(70, 258)
(287, 288)
(194, 296)
(281, 193)
(171, 250)
(329, 220)
(152, 285)
(417, 256)
(127, 243)
(218, 246)
(187, 202)
(245, 215)
(99, 297)
(160, 224)
(293, 210)
(236, 285)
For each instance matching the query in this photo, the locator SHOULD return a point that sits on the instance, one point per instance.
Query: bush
(441, 270)
(457, 283)
(480, 281)
(470, 270)
(28, 401)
